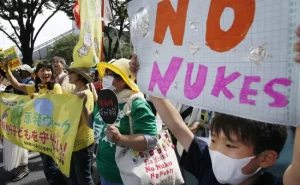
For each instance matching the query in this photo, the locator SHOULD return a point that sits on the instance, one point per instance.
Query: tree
(64, 48)
(117, 28)
(124, 49)
(21, 15)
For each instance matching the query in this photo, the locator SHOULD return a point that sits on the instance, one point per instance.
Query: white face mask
(228, 170)
(107, 83)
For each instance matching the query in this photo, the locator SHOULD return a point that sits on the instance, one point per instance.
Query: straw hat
(122, 68)
(82, 71)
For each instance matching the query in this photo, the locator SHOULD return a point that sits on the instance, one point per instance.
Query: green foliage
(119, 27)
(64, 48)
(126, 49)
(17, 113)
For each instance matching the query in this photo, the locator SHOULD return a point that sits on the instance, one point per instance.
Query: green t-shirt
(143, 123)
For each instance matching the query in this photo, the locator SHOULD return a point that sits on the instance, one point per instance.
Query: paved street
(36, 177)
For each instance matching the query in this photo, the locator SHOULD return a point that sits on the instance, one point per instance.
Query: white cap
(27, 68)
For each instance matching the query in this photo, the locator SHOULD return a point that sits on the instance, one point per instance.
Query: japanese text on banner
(42, 124)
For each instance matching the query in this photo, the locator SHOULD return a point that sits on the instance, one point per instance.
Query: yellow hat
(122, 68)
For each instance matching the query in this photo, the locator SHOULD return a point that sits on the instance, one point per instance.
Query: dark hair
(81, 78)
(50, 84)
(118, 77)
(261, 136)
(96, 76)
(85, 81)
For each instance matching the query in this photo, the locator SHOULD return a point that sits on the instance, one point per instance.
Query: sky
(57, 25)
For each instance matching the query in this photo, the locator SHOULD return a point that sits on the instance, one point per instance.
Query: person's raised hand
(297, 46)
(134, 64)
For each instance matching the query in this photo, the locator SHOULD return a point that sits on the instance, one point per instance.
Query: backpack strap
(128, 106)
(28, 81)
(62, 78)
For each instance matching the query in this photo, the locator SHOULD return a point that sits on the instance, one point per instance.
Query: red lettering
(108, 102)
(167, 17)
(149, 169)
(220, 40)
(152, 175)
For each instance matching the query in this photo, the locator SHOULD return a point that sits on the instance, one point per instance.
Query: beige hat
(82, 71)
(122, 68)
(27, 68)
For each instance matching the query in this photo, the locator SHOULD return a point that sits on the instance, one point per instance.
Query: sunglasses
(114, 75)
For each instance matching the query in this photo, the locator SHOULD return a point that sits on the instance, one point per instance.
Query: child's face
(236, 150)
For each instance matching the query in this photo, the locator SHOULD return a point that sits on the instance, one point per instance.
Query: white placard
(234, 57)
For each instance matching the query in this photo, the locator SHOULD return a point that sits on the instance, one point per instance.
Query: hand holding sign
(108, 106)
(134, 64)
(297, 46)
(244, 62)
(113, 134)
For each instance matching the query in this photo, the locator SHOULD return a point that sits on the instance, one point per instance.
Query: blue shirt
(197, 161)
(28, 81)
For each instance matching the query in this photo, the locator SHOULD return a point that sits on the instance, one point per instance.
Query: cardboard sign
(229, 56)
(13, 60)
(108, 106)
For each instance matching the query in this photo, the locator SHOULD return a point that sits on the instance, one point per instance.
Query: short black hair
(260, 135)
(84, 80)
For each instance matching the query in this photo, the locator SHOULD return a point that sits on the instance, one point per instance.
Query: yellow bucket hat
(122, 68)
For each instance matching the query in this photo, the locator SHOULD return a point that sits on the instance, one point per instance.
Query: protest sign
(228, 56)
(43, 124)
(13, 60)
(108, 106)
(87, 51)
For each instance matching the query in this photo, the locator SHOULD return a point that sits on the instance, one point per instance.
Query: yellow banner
(13, 59)
(87, 51)
(43, 124)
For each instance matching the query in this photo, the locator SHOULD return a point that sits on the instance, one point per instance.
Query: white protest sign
(230, 56)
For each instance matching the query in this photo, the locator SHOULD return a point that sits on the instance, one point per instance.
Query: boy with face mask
(239, 149)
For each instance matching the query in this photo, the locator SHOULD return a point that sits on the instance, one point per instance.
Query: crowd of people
(238, 152)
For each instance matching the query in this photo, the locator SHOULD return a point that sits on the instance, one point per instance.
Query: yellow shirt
(63, 80)
(85, 134)
(56, 90)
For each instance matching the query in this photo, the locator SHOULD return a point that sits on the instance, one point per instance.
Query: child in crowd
(240, 148)
(45, 83)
